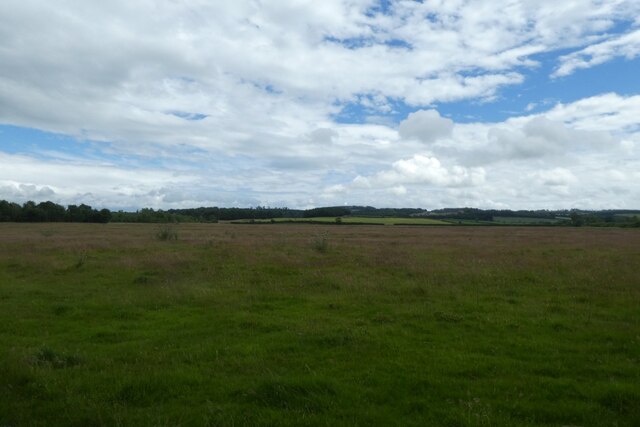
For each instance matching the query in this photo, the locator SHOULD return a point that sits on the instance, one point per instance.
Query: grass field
(358, 220)
(302, 324)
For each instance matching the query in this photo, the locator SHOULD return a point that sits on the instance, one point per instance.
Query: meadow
(303, 324)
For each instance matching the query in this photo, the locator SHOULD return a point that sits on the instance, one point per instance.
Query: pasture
(302, 324)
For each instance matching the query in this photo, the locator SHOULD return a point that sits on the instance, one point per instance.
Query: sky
(508, 104)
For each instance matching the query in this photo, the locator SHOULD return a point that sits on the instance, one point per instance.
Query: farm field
(523, 220)
(303, 324)
(355, 220)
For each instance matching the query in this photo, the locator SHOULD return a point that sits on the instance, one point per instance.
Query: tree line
(51, 212)
(202, 214)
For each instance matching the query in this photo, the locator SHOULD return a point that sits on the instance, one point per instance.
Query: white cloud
(259, 68)
(399, 190)
(246, 102)
(455, 87)
(608, 112)
(24, 178)
(424, 170)
(555, 177)
(628, 146)
(626, 45)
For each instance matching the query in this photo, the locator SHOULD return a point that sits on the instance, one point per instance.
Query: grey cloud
(426, 126)
(540, 137)
(23, 192)
(297, 163)
(323, 136)
(554, 132)
(557, 177)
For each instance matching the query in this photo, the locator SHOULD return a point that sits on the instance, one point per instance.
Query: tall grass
(320, 242)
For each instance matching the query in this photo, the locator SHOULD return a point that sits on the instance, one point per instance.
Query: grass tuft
(48, 357)
(81, 259)
(320, 243)
(447, 317)
(303, 396)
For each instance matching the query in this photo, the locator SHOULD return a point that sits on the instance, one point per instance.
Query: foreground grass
(237, 325)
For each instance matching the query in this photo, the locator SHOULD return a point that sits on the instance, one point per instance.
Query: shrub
(167, 232)
(321, 243)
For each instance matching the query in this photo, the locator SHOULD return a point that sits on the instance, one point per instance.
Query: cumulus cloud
(424, 170)
(262, 102)
(23, 177)
(540, 137)
(116, 75)
(19, 192)
(557, 182)
(426, 126)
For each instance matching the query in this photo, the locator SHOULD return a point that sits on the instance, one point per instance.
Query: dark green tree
(52, 212)
(9, 211)
(576, 219)
(31, 212)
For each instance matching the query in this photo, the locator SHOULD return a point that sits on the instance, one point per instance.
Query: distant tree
(31, 213)
(52, 212)
(82, 213)
(576, 219)
(102, 216)
(327, 212)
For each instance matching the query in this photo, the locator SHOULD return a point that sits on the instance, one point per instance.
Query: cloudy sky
(436, 103)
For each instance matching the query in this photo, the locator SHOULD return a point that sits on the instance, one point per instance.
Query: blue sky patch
(189, 116)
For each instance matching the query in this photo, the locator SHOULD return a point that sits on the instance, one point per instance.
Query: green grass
(307, 325)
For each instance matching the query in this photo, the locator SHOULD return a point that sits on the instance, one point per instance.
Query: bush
(321, 243)
(166, 233)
